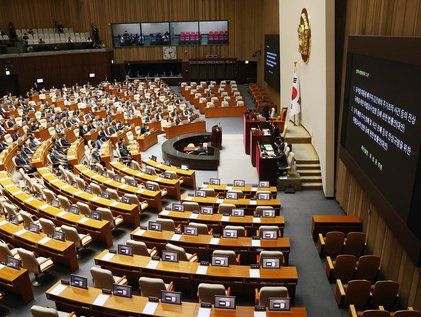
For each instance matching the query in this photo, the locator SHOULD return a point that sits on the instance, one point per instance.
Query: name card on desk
(100, 300)
(44, 240)
(254, 189)
(152, 264)
(150, 308)
(219, 201)
(214, 241)
(201, 269)
(108, 256)
(176, 237)
(139, 232)
(253, 203)
(58, 289)
(225, 218)
(255, 273)
(204, 312)
(256, 219)
(255, 243)
(259, 314)
(194, 216)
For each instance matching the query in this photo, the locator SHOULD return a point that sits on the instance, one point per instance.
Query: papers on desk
(83, 220)
(252, 203)
(204, 312)
(62, 213)
(194, 216)
(65, 187)
(259, 314)
(28, 200)
(188, 198)
(100, 300)
(150, 308)
(165, 212)
(214, 241)
(201, 269)
(255, 243)
(204, 186)
(152, 264)
(158, 179)
(139, 232)
(108, 256)
(109, 181)
(3, 222)
(114, 204)
(96, 198)
(176, 237)
(228, 187)
(254, 189)
(225, 218)
(1, 266)
(256, 219)
(44, 240)
(79, 192)
(219, 201)
(124, 186)
(255, 273)
(43, 207)
(58, 289)
(21, 232)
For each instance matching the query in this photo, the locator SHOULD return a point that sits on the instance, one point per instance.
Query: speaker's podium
(216, 136)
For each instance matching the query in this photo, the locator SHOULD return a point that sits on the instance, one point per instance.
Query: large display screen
(272, 75)
(381, 128)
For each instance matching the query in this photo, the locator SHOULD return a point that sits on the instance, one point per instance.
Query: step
(307, 186)
(311, 179)
(308, 166)
(297, 140)
(313, 172)
(304, 161)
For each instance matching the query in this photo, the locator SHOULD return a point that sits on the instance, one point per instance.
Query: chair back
(375, 313)
(354, 243)
(166, 224)
(40, 311)
(271, 291)
(202, 228)
(367, 267)
(344, 267)
(207, 292)
(241, 231)
(334, 242)
(232, 257)
(113, 193)
(29, 261)
(225, 208)
(210, 192)
(259, 210)
(265, 228)
(107, 215)
(191, 206)
(271, 255)
(4, 252)
(407, 313)
(139, 247)
(64, 202)
(385, 293)
(102, 278)
(47, 226)
(84, 208)
(149, 286)
(27, 219)
(71, 234)
(182, 256)
(358, 293)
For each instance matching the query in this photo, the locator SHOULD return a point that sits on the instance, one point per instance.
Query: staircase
(311, 177)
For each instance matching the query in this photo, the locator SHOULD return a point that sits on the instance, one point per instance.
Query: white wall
(185, 27)
(132, 28)
(148, 28)
(316, 76)
(213, 26)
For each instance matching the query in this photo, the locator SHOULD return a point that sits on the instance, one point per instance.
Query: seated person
(21, 162)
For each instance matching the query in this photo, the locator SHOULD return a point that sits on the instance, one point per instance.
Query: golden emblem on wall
(304, 36)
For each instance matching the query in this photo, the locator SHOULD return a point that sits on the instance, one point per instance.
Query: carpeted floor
(313, 291)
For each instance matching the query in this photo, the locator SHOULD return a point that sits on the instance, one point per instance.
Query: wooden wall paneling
(396, 18)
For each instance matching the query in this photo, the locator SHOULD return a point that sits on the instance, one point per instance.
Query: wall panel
(381, 17)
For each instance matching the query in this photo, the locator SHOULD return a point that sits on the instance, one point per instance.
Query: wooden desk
(219, 221)
(155, 125)
(235, 276)
(266, 167)
(203, 245)
(16, 282)
(257, 137)
(151, 198)
(222, 112)
(75, 152)
(248, 190)
(189, 176)
(82, 302)
(99, 230)
(172, 186)
(324, 223)
(39, 159)
(249, 204)
(194, 127)
(129, 212)
(60, 251)
(147, 140)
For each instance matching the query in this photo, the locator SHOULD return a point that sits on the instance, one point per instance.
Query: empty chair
(368, 267)
(262, 229)
(135, 165)
(149, 286)
(266, 292)
(407, 313)
(182, 254)
(367, 313)
(259, 210)
(166, 224)
(113, 193)
(172, 174)
(80, 183)
(191, 206)
(239, 193)
(84, 208)
(27, 219)
(107, 215)
(11, 212)
(356, 292)
(206, 292)
(49, 195)
(384, 293)
(331, 244)
(41, 311)
(233, 259)
(241, 231)
(210, 192)
(80, 240)
(266, 192)
(140, 248)
(354, 243)
(64, 202)
(342, 268)
(36, 265)
(270, 255)
(5, 252)
(105, 279)
(96, 190)
(225, 208)
(48, 227)
(202, 228)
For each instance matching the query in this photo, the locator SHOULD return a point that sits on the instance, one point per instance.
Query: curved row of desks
(189, 176)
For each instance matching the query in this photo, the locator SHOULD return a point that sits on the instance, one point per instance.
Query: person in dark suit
(265, 112)
(275, 132)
